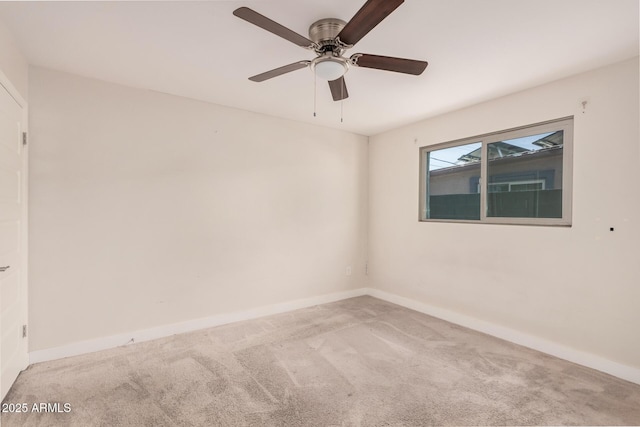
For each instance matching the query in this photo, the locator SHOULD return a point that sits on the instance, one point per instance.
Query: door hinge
(24, 331)
(24, 138)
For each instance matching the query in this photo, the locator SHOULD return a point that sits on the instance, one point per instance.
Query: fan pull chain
(315, 90)
(342, 102)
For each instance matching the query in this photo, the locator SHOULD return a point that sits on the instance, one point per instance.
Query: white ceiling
(477, 50)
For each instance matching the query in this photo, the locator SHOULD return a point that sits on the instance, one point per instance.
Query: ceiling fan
(329, 38)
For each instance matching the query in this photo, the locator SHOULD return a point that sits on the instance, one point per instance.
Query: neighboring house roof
(496, 149)
(504, 149)
(553, 140)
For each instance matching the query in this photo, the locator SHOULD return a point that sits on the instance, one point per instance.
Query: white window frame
(512, 183)
(564, 124)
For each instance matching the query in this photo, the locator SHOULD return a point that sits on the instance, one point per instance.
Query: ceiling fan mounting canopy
(329, 38)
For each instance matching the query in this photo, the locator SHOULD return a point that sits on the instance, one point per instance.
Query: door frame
(7, 85)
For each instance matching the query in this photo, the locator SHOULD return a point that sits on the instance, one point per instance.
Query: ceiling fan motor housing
(324, 33)
(329, 64)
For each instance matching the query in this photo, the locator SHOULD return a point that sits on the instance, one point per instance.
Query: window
(517, 176)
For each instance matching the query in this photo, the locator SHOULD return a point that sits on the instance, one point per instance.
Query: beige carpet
(356, 362)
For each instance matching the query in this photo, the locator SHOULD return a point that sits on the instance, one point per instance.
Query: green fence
(516, 204)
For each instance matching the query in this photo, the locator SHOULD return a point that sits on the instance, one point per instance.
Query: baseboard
(619, 370)
(589, 360)
(90, 346)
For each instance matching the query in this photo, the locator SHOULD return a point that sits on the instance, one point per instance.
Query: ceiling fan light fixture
(329, 68)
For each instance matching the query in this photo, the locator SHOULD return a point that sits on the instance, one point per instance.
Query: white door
(13, 209)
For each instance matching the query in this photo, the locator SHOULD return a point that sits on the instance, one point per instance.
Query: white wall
(12, 63)
(149, 209)
(578, 286)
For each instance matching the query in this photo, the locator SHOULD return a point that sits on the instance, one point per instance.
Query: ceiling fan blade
(338, 89)
(369, 15)
(399, 65)
(265, 23)
(279, 71)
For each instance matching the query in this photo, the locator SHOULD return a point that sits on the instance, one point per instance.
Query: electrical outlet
(348, 271)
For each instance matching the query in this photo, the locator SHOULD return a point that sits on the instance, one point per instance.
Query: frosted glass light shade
(330, 70)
